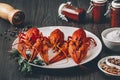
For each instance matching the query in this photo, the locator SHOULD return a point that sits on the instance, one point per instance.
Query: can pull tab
(108, 10)
(90, 7)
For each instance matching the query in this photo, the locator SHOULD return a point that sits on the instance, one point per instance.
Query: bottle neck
(99, 4)
(92, 4)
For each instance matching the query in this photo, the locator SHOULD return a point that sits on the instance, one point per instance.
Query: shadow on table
(108, 77)
(82, 70)
(62, 72)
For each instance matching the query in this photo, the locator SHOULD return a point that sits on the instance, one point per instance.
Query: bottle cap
(60, 10)
(116, 4)
(99, 1)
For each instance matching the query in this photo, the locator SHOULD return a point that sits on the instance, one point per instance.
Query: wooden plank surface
(42, 13)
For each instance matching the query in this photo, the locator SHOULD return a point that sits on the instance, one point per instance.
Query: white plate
(104, 60)
(92, 53)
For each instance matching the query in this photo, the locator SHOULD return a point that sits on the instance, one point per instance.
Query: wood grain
(42, 13)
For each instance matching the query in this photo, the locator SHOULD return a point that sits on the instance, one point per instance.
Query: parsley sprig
(24, 66)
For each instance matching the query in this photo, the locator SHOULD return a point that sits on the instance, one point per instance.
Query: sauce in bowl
(114, 35)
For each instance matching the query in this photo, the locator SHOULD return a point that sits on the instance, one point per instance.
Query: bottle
(14, 16)
(68, 12)
(99, 8)
(115, 13)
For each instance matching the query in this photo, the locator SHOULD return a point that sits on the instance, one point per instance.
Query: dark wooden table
(42, 13)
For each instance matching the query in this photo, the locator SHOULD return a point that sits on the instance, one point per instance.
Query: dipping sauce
(113, 36)
(99, 8)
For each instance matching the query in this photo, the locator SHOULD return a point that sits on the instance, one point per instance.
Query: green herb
(24, 66)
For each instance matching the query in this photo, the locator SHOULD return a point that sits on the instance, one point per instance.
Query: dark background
(42, 13)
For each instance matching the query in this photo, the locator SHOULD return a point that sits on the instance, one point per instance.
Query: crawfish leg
(36, 49)
(72, 51)
(61, 53)
(22, 50)
(58, 56)
(33, 55)
(44, 49)
(44, 54)
(83, 51)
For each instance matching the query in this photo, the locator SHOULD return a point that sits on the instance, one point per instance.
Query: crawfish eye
(74, 43)
(77, 39)
(30, 39)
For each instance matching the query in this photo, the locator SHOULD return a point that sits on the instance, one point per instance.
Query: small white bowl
(111, 42)
(103, 60)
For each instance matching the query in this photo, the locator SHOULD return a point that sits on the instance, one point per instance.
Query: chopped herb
(24, 66)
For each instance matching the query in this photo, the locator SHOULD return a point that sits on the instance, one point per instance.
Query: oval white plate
(104, 60)
(92, 53)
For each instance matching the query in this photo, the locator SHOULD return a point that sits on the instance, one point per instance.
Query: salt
(114, 36)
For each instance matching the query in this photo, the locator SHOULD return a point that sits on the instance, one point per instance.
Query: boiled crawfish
(56, 38)
(30, 40)
(59, 45)
(79, 44)
(56, 42)
(76, 46)
(39, 44)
